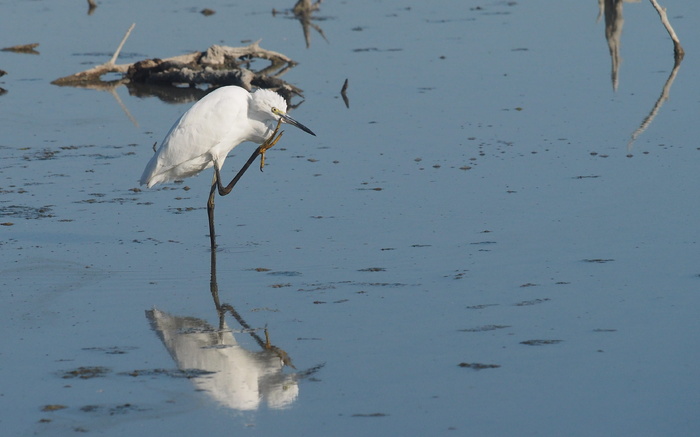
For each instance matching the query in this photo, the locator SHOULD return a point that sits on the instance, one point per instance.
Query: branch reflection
(665, 91)
(612, 10)
(302, 11)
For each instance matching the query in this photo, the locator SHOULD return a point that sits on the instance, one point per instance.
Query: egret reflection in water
(232, 375)
(235, 377)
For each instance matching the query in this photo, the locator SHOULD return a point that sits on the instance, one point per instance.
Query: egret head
(273, 107)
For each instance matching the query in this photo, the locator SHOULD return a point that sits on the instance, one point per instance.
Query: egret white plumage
(210, 129)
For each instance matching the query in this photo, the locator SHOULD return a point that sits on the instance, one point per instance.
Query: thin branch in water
(121, 44)
(93, 74)
(677, 49)
(666, 90)
(23, 48)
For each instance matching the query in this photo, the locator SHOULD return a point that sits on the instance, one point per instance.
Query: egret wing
(207, 131)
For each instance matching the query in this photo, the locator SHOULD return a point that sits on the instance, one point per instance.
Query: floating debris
(531, 302)
(86, 372)
(25, 212)
(285, 273)
(485, 328)
(481, 307)
(370, 415)
(23, 48)
(111, 410)
(479, 366)
(114, 350)
(53, 407)
(216, 66)
(540, 342)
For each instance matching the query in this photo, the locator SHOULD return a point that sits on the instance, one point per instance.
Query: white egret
(210, 129)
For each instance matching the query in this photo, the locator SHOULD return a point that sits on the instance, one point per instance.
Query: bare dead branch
(677, 49)
(23, 48)
(121, 44)
(217, 66)
(94, 74)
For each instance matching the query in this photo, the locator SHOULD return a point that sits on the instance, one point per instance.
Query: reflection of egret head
(237, 378)
(280, 390)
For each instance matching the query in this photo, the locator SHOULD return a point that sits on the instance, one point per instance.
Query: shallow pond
(497, 236)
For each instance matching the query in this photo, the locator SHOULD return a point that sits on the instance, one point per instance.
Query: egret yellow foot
(269, 143)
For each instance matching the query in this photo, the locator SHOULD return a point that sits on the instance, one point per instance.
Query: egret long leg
(210, 208)
(264, 147)
(216, 184)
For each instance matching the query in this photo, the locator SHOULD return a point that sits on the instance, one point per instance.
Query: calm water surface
(474, 246)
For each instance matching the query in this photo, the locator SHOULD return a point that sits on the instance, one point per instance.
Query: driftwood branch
(95, 73)
(121, 44)
(23, 48)
(216, 66)
(677, 49)
(678, 53)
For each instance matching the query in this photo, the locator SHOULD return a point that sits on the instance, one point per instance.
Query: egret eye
(276, 111)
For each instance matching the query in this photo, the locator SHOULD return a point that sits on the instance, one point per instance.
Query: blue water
(479, 192)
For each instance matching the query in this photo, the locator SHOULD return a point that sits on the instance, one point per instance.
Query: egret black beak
(289, 120)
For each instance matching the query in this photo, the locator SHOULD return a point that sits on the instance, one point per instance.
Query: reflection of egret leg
(214, 288)
(265, 345)
(281, 353)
